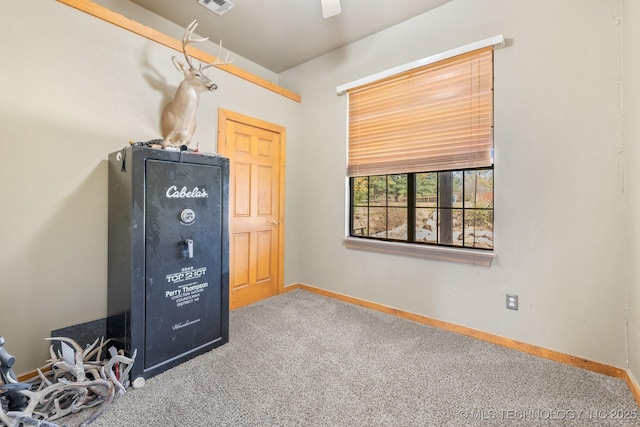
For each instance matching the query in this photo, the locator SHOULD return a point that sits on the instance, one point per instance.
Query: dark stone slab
(84, 333)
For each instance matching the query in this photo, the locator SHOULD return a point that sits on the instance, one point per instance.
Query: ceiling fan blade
(330, 8)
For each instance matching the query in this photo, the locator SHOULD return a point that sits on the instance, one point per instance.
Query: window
(420, 161)
(451, 208)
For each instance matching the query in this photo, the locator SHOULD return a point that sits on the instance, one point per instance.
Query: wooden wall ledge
(128, 24)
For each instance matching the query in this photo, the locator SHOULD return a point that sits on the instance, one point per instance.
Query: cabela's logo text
(184, 193)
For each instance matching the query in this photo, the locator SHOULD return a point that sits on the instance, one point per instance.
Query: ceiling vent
(219, 7)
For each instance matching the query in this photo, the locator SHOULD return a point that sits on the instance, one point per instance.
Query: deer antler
(217, 61)
(187, 39)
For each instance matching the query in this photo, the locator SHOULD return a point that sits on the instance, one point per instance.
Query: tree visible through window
(452, 208)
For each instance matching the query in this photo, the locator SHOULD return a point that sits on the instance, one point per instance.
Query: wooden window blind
(437, 117)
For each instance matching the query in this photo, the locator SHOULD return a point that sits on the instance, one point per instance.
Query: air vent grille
(219, 7)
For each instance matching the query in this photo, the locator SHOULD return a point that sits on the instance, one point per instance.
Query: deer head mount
(178, 121)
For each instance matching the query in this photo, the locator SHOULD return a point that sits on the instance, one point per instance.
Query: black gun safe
(168, 262)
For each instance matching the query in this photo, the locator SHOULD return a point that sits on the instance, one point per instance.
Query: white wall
(74, 89)
(631, 65)
(558, 207)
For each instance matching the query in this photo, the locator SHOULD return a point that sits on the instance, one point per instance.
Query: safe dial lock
(187, 216)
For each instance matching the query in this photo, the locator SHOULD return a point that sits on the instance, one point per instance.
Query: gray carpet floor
(301, 359)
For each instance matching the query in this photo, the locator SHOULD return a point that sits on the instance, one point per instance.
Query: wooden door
(256, 206)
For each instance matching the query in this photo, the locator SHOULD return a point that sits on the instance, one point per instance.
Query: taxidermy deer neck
(178, 121)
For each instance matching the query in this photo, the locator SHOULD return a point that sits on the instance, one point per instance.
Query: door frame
(225, 116)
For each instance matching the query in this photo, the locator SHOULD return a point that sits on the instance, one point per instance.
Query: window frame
(474, 257)
(411, 207)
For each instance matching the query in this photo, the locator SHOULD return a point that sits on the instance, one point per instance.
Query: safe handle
(189, 245)
(187, 249)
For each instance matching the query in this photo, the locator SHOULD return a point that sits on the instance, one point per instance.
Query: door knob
(274, 222)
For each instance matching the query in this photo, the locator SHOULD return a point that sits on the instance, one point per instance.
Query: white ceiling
(280, 34)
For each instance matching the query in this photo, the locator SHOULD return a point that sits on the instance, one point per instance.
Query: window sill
(465, 256)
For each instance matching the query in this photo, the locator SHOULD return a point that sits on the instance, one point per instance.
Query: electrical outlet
(512, 302)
